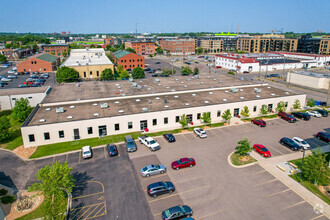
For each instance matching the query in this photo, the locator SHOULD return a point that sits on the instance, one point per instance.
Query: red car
(183, 162)
(218, 67)
(287, 117)
(29, 83)
(323, 136)
(262, 150)
(259, 122)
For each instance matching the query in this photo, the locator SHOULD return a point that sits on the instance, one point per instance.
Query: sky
(159, 16)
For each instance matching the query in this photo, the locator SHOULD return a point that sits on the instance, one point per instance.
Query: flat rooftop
(87, 57)
(97, 89)
(156, 102)
(277, 61)
(25, 91)
(313, 74)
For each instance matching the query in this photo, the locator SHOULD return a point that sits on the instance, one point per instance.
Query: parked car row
(301, 115)
(34, 81)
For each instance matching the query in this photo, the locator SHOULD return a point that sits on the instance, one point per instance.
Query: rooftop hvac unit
(241, 98)
(186, 104)
(130, 80)
(166, 106)
(121, 111)
(225, 100)
(157, 98)
(220, 81)
(60, 110)
(176, 96)
(95, 104)
(234, 90)
(226, 91)
(210, 93)
(104, 105)
(181, 82)
(272, 94)
(42, 120)
(258, 96)
(202, 83)
(193, 94)
(257, 90)
(197, 77)
(144, 109)
(149, 89)
(69, 117)
(206, 102)
(150, 101)
(116, 102)
(137, 100)
(185, 86)
(96, 114)
(165, 101)
(134, 84)
(139, 86)
(72, 106)
(156, 80)
(48, 109)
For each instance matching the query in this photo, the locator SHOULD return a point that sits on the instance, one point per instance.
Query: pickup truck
(149, 142)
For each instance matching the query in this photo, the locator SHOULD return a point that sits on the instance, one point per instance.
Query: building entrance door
(190, 118)
(270, 107)
(102, 130)
(143, 125)
(76, 134)
(236, 112)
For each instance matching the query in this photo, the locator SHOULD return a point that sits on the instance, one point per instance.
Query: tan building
(88, 62)
(216, 45)
(325, 46)
(258, 44)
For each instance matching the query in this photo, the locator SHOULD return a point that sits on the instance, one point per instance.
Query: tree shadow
(81, 182)
(7, 182)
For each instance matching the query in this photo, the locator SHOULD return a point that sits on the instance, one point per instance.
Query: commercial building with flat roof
(309, 79)
(128, 60)
(217, 44)
(88, 62)
(179, 46)
(55, 49)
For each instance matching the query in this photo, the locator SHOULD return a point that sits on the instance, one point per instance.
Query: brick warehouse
(142, 48)
(41, 63)
(55, 49)
(178, 47)
(128, 60)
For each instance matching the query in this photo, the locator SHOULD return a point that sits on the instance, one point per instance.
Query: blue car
(290, 144)
(177, 212)
(112, 150)
(169, 137)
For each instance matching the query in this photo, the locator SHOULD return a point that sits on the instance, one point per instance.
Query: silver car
(152, 169)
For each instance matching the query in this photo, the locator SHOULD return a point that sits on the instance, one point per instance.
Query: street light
(302, 162)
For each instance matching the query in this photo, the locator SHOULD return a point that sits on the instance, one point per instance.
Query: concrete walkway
(269, 164)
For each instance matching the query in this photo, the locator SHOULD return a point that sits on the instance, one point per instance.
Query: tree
(315, 168)
(4, 128)
(168, 72)
(64, 54)
(186, 70)
(138, 73)
(3, 59)
(55, 182)
(281, 107)
(108, 47)
(205, 51)
(296, 104)
(130, 50)
(227, 115)
(124, 74)
(115, 74)
(98, 46)
(21, 110)
(206, 117)
(311, 102)
(243, 147)
(245, 112)
(199, 50)
(264, 110)
(92, 46)
(159, 50)
(196, 70)
(107, 74)
(183, 121)
(67, 74)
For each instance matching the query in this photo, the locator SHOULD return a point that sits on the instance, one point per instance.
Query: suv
(323, 136)
(159, 188)
(322, 112)
(130, 144)
(287, 117)
(87, 152)
(302, 115)
(290, 143)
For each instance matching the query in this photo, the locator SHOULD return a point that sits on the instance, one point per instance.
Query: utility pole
(302, 162)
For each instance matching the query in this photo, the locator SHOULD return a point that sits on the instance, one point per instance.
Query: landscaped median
(239, 161)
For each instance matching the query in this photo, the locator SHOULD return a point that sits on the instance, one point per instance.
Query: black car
(290, 143)
(322, 112)
(165, 75)
(147, 69)
(302, 115)
(112, 150)
(159, 188)
(157, 62)
(275, 75)
(177, 212)
(129, 70)
(169, 137)
(154, 75)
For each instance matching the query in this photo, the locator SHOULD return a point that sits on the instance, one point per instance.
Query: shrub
(3, 192)
(7, 199)
(232, 73)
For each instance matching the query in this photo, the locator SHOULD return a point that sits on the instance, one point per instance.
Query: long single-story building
(310, 79)
(41, 63)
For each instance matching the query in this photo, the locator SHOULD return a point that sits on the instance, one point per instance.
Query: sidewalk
(269, 164)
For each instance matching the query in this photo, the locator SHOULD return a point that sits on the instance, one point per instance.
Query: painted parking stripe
(192, 190)
(317, 217)
(66, 158)
(169, 196)
(252, 174)
(157, 214)
(98, 209)
(274, 194)
(105, 153)
(208, 215)
(260, 184)
(153, 177)
(291, 206)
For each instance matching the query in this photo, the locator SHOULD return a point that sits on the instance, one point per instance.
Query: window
(177, 118)
(44, 69)
(154, 122)
(31, 138)
(90, 130)
(61, 134)
(254, 108)
(219, 113)
(165, 120)
(31, 62)
(286, 104)
(46, 136)
(130, 125)
(116, 127)
(90, 73)
(35, 62)
(84, 74)
(198, 115)
(97, 73)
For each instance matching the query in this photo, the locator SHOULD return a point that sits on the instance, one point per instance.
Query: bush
(3, 192)
(7, 199)
(232, 73)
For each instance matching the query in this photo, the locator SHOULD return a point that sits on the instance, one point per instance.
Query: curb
(242, 166)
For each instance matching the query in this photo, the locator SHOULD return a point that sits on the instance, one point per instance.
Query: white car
(5, 80)
(11, 77)
(314, 113)
(11, 72)
(200, 132)
(86, 152)
(301, 142)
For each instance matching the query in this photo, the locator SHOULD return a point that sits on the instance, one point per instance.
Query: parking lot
(214, 189)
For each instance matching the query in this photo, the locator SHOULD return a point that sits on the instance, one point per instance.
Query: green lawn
(237, 162)
(16, 139)
(308, 185)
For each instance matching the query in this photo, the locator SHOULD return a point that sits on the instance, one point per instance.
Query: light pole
(302, 162)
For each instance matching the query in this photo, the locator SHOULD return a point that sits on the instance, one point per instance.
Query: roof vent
(121, 111)
(42, 120)
(210, 93)
(48, 109)
(272, 94)
(234, 90)
(241, 97)
(72, 106)
(206, 102)
(69, 117)
(144, 109)
(116, 102)
(172, 90)
(138, 100)
(202, 83)
(225, 100)
(185, 86)
(193, 94)
(60, 110)
(96, 114)
(258, 96)
(176, 96)
(157, 98)
(287, 93)
(186, 104)
(226, 91)
(220, 81)
(268, 87)
(104, 105)
(166, 106)
(257, 90)
(95, 104)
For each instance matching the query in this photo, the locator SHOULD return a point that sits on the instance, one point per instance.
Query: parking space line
(153, 177)
(79, 156)
(192, 190)
(257, 172)
(92, 193)
(273, 148)
(274, 194)
(66, 158)
(201, 201)
(185, 180)
(105, 153)
(155, 200)
(96, 206)
(205, 216)
(260, 184)
(317, 217)
(157, 214)
(294, 205)
(53, 160)
(81, 209)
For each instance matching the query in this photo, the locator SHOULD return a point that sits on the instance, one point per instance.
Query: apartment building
(141, 48)
(179, 46)
(55, 49)
(215, 45)
(128, 60)
(41, 63)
